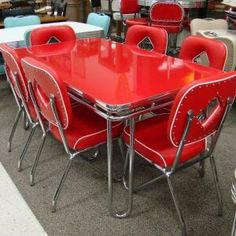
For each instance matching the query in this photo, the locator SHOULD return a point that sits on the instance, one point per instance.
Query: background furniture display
(12, 35)
(100, 20)
(229, 38)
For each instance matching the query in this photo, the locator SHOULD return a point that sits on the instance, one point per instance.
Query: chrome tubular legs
(63, 178)
(26, 122)
(26, 146)
(18, 114)
(201, 168)
(216, 181)
(32, 173)
(110, 183)
(181, 219)
(233, 233)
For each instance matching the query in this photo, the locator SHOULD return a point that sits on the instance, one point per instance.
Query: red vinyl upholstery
(44, 35)
(82, 127)
(168, 15)
(13, 66)
(193, 46)
(157, 139)
(157, 36)
(132, 7)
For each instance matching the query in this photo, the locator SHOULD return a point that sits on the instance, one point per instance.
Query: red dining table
(119, 82)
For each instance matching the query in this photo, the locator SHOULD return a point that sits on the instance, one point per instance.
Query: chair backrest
(169, 12)
(46, 84)
(12, 63)
(193, 46)
(207, 24)
(207, 100)
(52, 34)
(157, 36)
(16, 21)
(129, 7)
(100, 20)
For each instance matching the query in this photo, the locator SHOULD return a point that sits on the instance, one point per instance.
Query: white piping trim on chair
(161, 157)
(67, 122)
(89, 135)
(183, 96)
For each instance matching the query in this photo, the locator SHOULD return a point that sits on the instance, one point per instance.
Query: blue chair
(16, 21)
(100, 20)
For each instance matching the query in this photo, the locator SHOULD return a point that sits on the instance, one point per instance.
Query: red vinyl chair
(194, 46)
(187, 135)
(18, 84)
(158, 37)
(78, 128)
(132, 7)
(168, 15)
(52, 34)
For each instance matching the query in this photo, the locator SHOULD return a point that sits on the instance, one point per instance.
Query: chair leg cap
(32, 183)
(53, 206)
(19, 166)
(9, 147)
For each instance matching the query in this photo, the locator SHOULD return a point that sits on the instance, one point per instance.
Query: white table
(82, 30)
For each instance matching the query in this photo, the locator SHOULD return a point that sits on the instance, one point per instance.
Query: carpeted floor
(82, 207)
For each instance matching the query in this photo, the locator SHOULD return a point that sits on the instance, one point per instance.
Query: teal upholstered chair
(17, 21)
(100, 20)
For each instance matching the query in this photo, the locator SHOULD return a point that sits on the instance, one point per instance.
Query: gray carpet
(82, 207)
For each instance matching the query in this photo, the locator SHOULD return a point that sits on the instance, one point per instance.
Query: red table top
(115, 74)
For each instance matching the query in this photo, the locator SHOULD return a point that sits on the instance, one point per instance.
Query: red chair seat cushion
(136, 21)
(87, 129)
(152, 142)
(170, 28)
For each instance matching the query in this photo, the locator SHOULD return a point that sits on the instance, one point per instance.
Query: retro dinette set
(107, 90)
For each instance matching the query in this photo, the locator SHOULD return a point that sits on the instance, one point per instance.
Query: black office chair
(59, 7)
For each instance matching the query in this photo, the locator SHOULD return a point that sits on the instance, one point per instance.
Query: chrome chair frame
(167, 173)
(71, 154)
(233, 196)
(22, 108)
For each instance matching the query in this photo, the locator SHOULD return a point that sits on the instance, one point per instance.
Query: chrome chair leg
(18, 114)
(26, 146)
(25, 120)
(122, 148)
(94, 156)
(216, 181)
(233, 233)
(32, 172)
(125, 170)
(63, 178)
(181, 219)
(201, 168)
